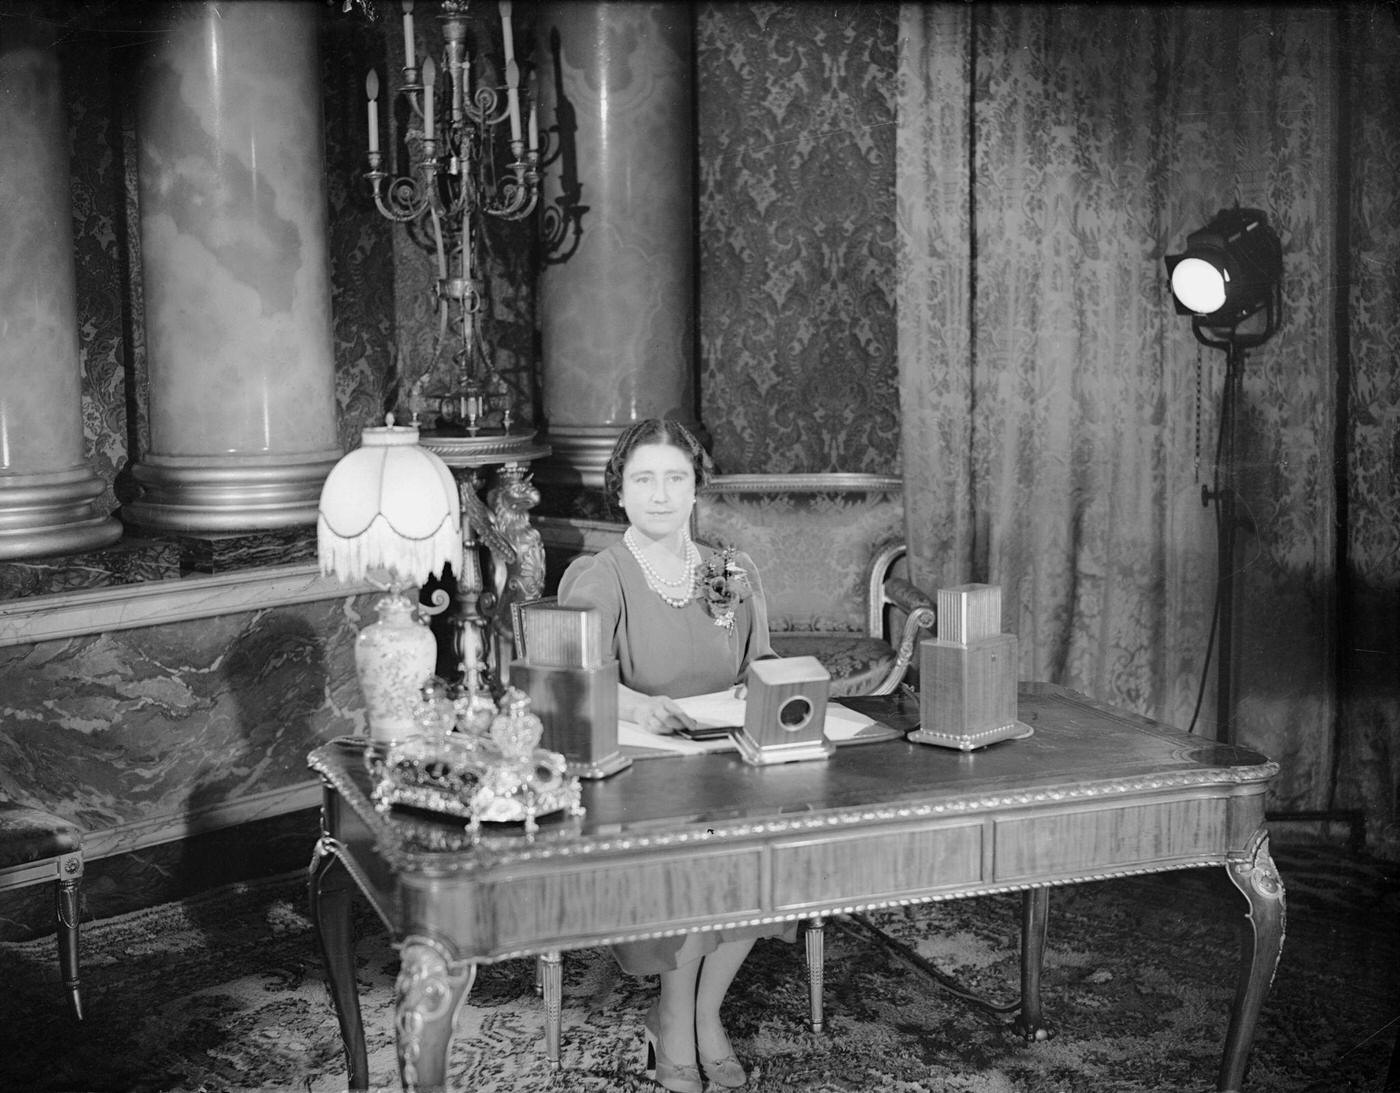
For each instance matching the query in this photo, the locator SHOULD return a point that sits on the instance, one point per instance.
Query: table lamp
(390, 515)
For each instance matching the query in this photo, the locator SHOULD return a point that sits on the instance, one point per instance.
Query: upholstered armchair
(829, 550)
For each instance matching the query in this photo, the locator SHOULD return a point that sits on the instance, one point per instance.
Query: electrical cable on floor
(942, 978)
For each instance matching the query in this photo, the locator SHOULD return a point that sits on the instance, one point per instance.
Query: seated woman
(675, 634)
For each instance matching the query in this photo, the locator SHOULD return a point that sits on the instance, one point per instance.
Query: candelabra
(453, 180)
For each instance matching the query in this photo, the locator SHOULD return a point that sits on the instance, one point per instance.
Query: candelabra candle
(507, 32)
(372, 90)
(429, 93)
(409, 60)
(512, 72)
(513, 101)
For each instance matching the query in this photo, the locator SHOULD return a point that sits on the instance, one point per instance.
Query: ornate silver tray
(471, 779)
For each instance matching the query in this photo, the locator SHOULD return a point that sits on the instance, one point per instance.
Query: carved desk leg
(430, 989)
(1035, 914)
(816, 970)
(550, 969)
(1256, 876)
(329, 891)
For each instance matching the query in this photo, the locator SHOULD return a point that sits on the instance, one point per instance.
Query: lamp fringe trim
(380, 546)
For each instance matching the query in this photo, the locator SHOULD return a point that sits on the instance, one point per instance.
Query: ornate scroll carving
(431, 987)
(1257, 877)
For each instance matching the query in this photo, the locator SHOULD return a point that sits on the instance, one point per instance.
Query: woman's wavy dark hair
(654, 430)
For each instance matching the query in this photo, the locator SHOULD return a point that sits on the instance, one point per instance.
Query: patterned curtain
(1060, 421)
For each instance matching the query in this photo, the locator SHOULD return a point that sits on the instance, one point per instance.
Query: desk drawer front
(1087, 841)
(630, 896)
(877, 866)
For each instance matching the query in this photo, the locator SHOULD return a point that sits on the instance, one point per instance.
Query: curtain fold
(934, 270)
(1060, 422)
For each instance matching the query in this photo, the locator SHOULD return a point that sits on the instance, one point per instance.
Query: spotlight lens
(1199, 285)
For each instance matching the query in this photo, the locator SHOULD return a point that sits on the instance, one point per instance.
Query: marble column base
(52, 513)
(224, 494)
(580, 454)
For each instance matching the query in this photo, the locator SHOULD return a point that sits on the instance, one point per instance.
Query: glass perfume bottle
(475, 709)
(516, 731)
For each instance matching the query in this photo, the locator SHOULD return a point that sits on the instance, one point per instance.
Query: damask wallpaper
(795, 110)
(112, 417)
(363, 313)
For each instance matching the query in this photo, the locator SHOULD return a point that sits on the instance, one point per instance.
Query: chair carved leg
(816, 971)
(550, 969)
(1035, 915)
(68, 908)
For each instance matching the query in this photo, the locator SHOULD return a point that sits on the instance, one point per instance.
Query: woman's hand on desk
(657, 714)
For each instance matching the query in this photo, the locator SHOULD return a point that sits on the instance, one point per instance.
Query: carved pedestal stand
(511, 567)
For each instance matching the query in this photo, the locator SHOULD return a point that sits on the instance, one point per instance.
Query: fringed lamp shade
(390, 513)
(389, 505)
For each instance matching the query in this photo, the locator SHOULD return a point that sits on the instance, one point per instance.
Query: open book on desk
(721, 708)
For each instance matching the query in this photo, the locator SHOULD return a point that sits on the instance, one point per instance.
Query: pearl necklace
(657, 582)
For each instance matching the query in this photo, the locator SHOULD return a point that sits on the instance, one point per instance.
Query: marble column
(47, 492)
(617, 290)
(236, 271)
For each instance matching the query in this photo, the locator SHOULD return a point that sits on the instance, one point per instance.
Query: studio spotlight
(1229, 272)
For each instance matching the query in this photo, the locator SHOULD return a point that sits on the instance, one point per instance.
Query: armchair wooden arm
(920, 620)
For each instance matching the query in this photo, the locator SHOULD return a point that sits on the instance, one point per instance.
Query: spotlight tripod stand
(1225, 497)
(1229, 280)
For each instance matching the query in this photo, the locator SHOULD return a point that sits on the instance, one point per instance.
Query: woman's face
(658, 489)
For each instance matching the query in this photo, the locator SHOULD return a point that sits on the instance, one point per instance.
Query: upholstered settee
(829, 549)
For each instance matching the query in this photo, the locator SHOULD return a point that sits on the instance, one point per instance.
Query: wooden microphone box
(578, 708)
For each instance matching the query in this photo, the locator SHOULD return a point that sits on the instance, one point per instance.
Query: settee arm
(907, 596)
(921, 615)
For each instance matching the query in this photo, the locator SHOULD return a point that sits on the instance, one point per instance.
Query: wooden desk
(677, 844)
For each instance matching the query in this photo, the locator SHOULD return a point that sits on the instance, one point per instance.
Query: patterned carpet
(224, 992)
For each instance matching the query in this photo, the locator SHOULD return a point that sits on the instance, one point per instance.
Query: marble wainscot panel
(149, 733)
(127, 562)
(225, 553)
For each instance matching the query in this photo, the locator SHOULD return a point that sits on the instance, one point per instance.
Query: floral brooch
(724, 584)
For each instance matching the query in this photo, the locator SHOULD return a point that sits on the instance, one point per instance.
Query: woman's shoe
(677, 1077)
(726, 1072)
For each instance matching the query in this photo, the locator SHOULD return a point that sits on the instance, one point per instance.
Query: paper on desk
(842, 726)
